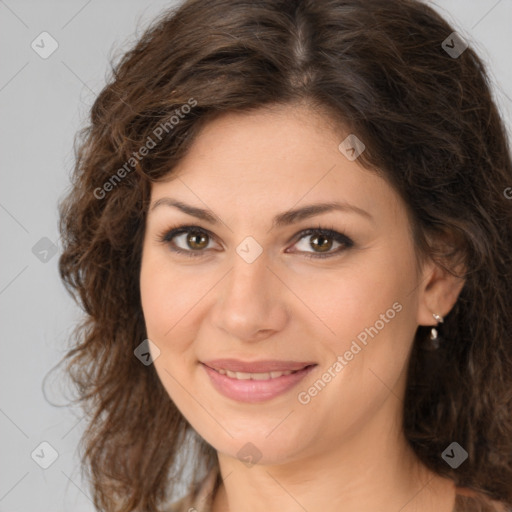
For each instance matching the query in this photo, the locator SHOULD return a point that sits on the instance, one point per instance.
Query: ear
(438, 292)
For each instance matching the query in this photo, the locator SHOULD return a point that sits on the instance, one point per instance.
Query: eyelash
(167, 236)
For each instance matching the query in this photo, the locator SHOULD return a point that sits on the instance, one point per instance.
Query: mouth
(234, 380)
(254, 376)
(255, 367)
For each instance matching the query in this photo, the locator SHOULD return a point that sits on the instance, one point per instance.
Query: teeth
(253, 376)
(274, 375)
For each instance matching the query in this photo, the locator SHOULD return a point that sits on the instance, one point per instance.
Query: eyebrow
(282, 219)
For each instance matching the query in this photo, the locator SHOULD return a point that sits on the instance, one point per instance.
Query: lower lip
(253, 391)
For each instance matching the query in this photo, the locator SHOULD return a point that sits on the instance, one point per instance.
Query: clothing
(201, 500)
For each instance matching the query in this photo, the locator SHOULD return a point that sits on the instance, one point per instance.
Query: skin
(344, 450)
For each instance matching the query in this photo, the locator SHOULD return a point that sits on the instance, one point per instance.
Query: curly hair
(430, 127)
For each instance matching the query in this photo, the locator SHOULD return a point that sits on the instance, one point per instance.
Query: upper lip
(269, 365)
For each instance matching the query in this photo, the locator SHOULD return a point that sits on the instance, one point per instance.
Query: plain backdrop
(43, 102)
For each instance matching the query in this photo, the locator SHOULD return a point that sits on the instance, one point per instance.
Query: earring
(435, 340)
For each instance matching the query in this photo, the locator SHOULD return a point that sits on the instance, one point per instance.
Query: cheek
(355, 296)
(373, 348)
(157, 314)
(371, 309)
(168, 297)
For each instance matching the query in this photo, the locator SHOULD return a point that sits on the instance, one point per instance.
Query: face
(279, 324)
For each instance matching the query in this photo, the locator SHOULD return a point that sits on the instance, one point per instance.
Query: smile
(255, 387)
(254, 376)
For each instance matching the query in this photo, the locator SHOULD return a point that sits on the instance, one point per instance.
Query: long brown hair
(430, 126)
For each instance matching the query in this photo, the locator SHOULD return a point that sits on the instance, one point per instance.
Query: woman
(290, 232)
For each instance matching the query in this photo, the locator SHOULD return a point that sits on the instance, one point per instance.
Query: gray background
(43, 102)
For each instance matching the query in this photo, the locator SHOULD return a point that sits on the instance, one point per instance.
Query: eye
(322, 240)
(192, 241)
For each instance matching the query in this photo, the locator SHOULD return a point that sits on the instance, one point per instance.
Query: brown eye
(197, 240)
(187, 240)
(321, 242)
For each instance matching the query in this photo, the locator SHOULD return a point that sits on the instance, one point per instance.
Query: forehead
(270, 160)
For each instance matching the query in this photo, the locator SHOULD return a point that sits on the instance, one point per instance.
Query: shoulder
(201, 498)
(468, 500)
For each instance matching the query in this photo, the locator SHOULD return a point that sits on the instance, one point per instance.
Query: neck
(372, 469)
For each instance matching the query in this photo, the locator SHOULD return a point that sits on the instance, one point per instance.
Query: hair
(375, 68)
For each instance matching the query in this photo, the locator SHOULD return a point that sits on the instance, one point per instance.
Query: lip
(269, 365)
(255, 391)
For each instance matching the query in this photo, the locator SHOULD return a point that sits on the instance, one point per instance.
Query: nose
(251, 301)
